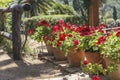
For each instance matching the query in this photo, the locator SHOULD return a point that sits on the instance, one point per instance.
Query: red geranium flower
(102, 25)
(100, 30)
(95, 77)
(101, 40)
(118, 34)
(61, 23)
(49, 38)
(59, 43)
(43, 23)
(75, 42)
(85, 61)
(62, 37)
(108, 34)
(44, 37)
(55, 28)
(92, 29)
(30, 31)
(69, 35)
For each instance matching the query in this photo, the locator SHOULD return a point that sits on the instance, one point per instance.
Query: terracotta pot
(92, 57)
(116, 74)
(74, 58)
(59, 55)
(49, 47)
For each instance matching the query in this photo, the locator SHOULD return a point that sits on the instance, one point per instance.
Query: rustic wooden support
(6, 35)
(94, 12)
(17, 11)
(5, 10)
(16, 21)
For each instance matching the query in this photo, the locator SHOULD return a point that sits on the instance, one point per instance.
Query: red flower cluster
(69, 35)
(43, 23)
(61, 23)
(85, 30)
(56, 28)
(95, 77)
(101, 40)
(30, 32)
(45, 37)
(59, 43)
(62, 36)
(75, 42)
(118, 34)
(85, 61)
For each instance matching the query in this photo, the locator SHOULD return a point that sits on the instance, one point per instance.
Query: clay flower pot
(116, 74)
(59, 55)
(50, 49)
(74, 58)
(92, 57)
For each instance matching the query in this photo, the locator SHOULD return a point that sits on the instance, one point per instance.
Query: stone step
(77, 76)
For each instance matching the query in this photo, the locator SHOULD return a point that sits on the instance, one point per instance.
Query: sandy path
(28, 69)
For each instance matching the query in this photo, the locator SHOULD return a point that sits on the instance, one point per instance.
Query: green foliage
(114, 13)
(81, 6)
(47, 7)
(1, 39)
(30, 23)
(6, 44)
(94, 69)
(40, 31)
(111, 47)
(62, 9)
(107, 7)
(4, 3)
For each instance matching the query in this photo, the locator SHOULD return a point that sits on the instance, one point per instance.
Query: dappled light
(59, 40)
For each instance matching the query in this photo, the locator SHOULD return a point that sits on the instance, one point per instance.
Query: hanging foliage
(81, 6)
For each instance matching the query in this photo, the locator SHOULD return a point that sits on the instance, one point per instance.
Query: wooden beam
(5, 10)
(6, 35)
(94, 13)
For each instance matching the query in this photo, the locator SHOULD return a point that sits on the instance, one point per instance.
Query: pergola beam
(94, 13)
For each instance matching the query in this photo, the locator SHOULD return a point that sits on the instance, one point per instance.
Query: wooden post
(16, 38)
(17, 11)
(94, 12)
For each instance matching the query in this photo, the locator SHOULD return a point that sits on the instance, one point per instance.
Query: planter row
(74, 59)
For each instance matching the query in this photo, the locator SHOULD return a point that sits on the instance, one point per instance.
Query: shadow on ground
(27, 69)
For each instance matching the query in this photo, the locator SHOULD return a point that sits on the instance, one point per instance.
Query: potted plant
(110, 50)
(91, 36)
(76, 42)
(42, 34)
(107, 44)
(66, 39)
(93, 69)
